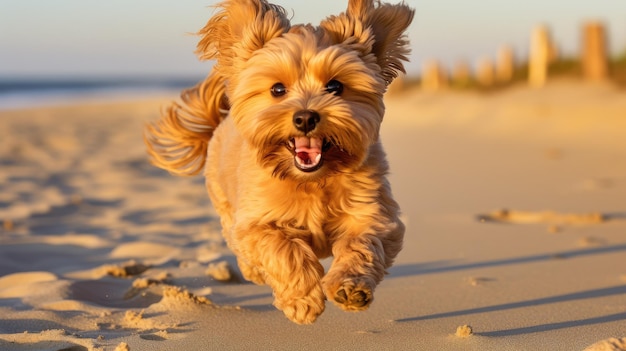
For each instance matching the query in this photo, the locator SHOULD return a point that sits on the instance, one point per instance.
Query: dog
(286, 130)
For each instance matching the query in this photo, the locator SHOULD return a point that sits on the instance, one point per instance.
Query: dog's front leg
(359, 264)
(290, 268)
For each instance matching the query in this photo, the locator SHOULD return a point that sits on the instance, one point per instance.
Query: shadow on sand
(449, 266)
(415, 269)
(582, 295)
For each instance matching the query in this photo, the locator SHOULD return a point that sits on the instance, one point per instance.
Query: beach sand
(516, 233)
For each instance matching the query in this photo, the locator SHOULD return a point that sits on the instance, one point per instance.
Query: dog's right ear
(239, 28)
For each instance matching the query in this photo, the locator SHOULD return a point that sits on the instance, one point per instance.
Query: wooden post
(485, 72)
(505, 64)
(461, 74)
(433, 76)
(594, 56)
(540, 48)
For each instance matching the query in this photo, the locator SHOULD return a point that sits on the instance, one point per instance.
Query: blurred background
(66, 47)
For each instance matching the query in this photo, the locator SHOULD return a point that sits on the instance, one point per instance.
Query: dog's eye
(334, 87)
(278, 90)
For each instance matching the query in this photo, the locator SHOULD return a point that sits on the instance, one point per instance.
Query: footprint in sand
(111, 292)
(550, 217)
(612, 344)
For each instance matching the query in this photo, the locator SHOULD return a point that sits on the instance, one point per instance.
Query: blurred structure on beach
(505, 64)
(433, 76)
(542, 54)
(544, 61)
(485, 72)
(593, 56)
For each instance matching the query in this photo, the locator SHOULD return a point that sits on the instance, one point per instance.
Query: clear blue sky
(150, 37)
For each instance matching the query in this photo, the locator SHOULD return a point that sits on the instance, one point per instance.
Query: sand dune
(101, 251)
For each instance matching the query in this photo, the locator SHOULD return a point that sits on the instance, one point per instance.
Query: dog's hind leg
(251, 273)
(290, 268)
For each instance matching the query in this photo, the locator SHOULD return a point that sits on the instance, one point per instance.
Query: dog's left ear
(380, 27)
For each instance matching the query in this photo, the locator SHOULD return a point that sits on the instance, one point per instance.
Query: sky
(138, 38)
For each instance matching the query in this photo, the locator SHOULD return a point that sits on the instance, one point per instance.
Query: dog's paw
(352, 297)
(303, 310)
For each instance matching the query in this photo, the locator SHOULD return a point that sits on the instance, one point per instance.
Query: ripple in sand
(54, 339)
(14, 279)
(21, 285)
(125, 270)
(152, 252)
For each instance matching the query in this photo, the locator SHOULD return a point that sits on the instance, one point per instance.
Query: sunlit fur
(278, 220)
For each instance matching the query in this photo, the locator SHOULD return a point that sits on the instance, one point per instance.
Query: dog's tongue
(308, 151)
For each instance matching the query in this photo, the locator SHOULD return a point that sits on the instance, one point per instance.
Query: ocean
(21, 93)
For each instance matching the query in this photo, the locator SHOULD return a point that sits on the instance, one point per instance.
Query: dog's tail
(178, 141)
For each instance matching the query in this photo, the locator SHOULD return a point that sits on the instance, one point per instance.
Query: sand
(516, 226)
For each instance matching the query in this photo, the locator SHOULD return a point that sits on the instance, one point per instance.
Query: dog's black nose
(306, 120)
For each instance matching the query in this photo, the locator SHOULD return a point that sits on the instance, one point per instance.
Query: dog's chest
(305, 213)
(303, 209)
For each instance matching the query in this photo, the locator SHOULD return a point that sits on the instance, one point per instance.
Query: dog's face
(308, 106)
(309, 100)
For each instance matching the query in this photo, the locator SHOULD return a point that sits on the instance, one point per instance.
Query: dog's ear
(239, 28)
(380, 27)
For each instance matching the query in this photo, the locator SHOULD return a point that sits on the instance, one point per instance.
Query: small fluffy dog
(286, 129)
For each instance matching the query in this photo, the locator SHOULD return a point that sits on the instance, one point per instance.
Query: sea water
(18, 93)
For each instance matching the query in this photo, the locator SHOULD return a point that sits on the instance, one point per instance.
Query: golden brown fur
(280, 216)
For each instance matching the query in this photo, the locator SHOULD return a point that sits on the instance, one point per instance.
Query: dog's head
(308, 100)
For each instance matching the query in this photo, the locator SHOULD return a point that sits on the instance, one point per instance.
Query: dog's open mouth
(308, 152)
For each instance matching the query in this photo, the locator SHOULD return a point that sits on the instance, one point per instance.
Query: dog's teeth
(318, 158)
